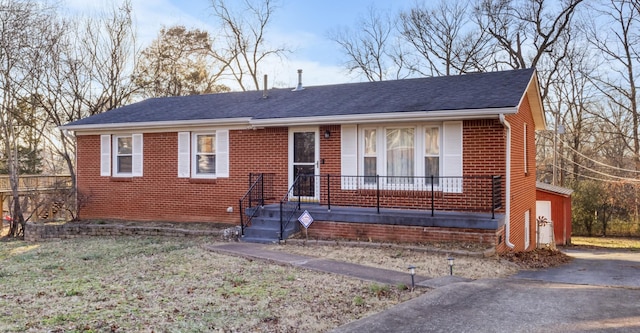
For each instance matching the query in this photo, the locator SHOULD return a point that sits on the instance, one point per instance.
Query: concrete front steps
(265, 226)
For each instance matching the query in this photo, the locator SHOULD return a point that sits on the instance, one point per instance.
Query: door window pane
(306, 180)
(304, 144)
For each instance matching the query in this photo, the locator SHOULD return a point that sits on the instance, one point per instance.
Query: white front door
(304, 147)
(544, 223)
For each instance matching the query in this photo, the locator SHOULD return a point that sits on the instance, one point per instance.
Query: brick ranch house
(428, 159)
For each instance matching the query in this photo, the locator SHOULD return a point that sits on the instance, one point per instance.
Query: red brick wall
(483, 155)
(161, 195)
(396, 233)
(484, 147)
(523, 185)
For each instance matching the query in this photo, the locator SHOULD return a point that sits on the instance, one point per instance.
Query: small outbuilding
(553, 208)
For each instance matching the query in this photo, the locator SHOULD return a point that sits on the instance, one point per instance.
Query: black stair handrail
(284, 222)
(255, 193)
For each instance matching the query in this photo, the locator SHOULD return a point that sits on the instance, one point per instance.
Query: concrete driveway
(619, 268)
(576, 297)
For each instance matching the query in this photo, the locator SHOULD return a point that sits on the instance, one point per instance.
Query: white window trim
(110, 154)
(187, 153)
(194, 155)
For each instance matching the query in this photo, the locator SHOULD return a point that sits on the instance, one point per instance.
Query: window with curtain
(400, 155)
(370, 156)
(432, 153)
(205, 153)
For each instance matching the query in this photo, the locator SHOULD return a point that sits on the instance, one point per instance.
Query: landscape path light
(412, 271)
(450, 262)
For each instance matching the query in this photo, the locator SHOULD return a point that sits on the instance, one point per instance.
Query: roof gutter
(385, 117)
(507, 196)
(154, 125)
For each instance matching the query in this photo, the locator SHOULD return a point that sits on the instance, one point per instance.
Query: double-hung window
(121, 155)
(370, 155)
(432, 153)
(203, 154)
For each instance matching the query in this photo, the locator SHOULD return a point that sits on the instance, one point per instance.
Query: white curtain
(400, 154)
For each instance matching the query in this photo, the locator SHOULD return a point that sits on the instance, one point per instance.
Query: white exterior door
(544, 223)
(304, 147)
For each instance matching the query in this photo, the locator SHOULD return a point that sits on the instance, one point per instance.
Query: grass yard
(607, 242)
(142, 284)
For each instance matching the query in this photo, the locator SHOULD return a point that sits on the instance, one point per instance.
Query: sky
(301, 25)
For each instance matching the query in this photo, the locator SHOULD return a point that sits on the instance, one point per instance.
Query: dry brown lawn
(430, 264)
(156, 284)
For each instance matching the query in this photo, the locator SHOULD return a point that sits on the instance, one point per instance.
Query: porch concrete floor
(408, 217)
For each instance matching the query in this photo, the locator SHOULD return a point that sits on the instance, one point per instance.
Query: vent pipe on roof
(265, 93)
(299, 87)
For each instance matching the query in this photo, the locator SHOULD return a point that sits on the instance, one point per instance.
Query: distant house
(429, 159)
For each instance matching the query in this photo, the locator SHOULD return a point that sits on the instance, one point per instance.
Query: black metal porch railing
(465, 193)
(260, 190)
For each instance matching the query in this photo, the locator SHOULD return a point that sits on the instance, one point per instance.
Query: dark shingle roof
(554, 189)
(463, 92)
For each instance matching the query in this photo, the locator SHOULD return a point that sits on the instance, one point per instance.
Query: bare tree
(525, 30)
(110, 53)
(87, 71)
(178, 63)
(371, 50)
(26, 37)
(446, 39)
(619, 43)
(244, 47)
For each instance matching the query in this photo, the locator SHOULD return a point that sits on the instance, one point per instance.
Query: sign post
(306, 219)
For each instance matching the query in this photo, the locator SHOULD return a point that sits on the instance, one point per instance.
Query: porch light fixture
(450, 262)
(412, 271)
(327, 134)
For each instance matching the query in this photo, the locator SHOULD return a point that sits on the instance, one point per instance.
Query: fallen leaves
(539, 258)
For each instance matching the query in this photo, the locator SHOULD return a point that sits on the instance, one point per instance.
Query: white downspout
(507, 196)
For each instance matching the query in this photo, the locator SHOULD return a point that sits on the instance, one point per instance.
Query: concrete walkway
(386, 276)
